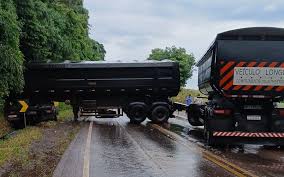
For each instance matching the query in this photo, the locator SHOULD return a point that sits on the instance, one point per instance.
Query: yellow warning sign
(25, 106)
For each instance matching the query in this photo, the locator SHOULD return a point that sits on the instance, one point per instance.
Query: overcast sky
(130, 29)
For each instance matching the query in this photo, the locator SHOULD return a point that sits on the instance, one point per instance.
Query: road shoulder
(43, 153)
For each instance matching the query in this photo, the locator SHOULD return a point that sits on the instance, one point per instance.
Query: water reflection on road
(122, 149)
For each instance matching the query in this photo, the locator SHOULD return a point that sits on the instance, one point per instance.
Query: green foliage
(65, 112)
(180, 55)
(186, 92)
(57, 31)
(17, 147)
(11, 58)
(99, 50)
(42, 30)
(62, 107)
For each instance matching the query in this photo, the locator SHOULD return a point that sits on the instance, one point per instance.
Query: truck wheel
(137, 113)
(193, 114)
(209, 138)
(208, 135)
(160, 114)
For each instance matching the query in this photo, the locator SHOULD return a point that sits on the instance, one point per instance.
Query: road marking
(86, 168)
(206, 154)
(224, 166)
(232, 168)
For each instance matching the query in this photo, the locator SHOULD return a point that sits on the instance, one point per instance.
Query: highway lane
(113, 147)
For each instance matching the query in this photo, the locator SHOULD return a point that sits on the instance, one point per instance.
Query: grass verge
(186, 92)
(65, 112)
(17, 147)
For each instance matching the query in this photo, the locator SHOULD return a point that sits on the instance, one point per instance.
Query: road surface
(113, 147)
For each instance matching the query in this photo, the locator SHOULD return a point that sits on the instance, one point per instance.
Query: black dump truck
(101, 89)
(243, 75)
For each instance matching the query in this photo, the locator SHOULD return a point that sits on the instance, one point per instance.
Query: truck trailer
(242, 73)
(102, 89)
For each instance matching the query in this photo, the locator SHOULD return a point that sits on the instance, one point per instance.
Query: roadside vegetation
(186, 60)
(65, 112)
(181, 97)
(17, 146)
(4, 125)
(39, 146)
(42, 30)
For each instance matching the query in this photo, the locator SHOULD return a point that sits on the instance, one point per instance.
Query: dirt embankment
(40, 156)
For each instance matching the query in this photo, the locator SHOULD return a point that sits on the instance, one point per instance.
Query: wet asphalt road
(122, 149)
(117, 148)
(261, 160)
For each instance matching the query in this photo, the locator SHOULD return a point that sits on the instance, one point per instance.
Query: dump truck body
(243, 75)
(245, 62)
(139, 89)
(95, 79)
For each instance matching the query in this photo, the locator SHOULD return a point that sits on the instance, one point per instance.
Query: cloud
(129, 29)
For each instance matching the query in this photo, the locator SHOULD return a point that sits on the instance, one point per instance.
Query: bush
(186, 92)
(11, 58)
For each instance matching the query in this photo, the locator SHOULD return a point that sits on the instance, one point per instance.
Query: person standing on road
(188, 100)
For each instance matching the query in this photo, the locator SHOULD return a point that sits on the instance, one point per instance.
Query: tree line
(42, 30)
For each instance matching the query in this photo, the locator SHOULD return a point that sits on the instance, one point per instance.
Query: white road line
(86, 168)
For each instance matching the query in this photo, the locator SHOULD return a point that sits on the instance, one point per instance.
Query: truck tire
(194, 122)
(208, 135)
(160, 114)
(193, 114)
(137, 113)
(209, 139)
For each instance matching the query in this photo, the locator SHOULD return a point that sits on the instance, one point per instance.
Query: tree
(41, 30)
(11, 58)
(55, 30)
(186, 61)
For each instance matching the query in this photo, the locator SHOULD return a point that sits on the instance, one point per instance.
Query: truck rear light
(225, 112)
